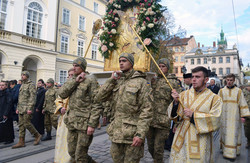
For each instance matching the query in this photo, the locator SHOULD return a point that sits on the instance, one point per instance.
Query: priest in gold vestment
(234, 109)
(61, 146)
(193, 140)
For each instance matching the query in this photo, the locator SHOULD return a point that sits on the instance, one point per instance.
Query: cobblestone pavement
(101, 154)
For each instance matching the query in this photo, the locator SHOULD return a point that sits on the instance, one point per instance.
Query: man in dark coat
(6, 121)
(38, 117)
(14, 89)
(213, 87)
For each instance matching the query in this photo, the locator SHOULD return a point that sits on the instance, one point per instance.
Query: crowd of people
(136, 110)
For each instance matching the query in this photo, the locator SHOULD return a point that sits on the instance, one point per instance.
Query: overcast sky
(204, 18)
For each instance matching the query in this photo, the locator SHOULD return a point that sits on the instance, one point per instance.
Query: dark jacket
(38, 117)
(5, 104)
(40, 96)
(6, 128)
(215, 89)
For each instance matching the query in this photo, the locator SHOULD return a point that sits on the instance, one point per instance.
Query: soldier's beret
(188, 75)
(50, 80)
(26, 73)
(164, 61)
(80, 61)
(128, 56)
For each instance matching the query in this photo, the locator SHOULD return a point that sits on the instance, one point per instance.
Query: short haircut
(213, 80)
(200, 68)
(41, 80)
(72, 69)
(230, 76)
(12, 82)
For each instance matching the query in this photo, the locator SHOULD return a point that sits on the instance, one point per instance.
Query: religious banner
(118, 37)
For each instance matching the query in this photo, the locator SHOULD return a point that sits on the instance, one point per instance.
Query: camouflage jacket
(49, 105)
(131, 105)
(82, 111)
(27, 97)
(162, 99)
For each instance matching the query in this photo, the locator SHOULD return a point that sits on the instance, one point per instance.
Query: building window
(228, 70)
(213, 60)
(214, 70)
(192, 61)
(95, 7)
(205, 61)
(220, 60)
(176, 49)
(82, 3)
(66, 16)
(198, 61)
(64, 44)
(80, 48)
(94, 51)
(221, 71)
(176, 70)
(82, 23)
(3, 13)
(176, 59)
(182, 49)
(34, 20)
(182, 58)
(62, 76)
(228, 59)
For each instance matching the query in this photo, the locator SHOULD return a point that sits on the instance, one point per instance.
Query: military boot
(48, 137)
(37, 138)
(20, 144)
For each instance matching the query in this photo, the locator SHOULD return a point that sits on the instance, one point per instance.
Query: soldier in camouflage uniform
(160, 125)
(83, 112)
(26, 103)
(132, 106)
(49, 107)
(246, 92)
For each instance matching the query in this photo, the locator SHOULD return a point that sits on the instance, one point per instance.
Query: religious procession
(143, 104)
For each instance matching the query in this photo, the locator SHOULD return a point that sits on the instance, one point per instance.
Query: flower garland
(148, 23)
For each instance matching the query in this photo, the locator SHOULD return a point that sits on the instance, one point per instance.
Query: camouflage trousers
(25, 123)
(125, 153)
(156, 140)
(50, 120)
(247, 129)
(78, 145)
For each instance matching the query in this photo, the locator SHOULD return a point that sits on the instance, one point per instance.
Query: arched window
(34, 20)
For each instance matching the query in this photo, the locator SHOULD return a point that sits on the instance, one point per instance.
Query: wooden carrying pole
(96, 27)
(153, 60)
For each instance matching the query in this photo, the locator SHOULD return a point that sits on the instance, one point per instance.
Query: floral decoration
(148, 23)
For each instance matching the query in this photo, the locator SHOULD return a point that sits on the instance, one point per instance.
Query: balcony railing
(33, 41)
(5, 34)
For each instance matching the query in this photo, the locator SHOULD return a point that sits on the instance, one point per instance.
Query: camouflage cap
(50, 80)
(81, 62)
(26, 73)
(128, 56)
(164, 61)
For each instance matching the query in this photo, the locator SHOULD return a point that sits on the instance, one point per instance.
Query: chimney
(199, 45)
(214, 44)
(202, 45)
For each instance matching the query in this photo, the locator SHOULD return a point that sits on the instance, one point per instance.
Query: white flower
(130, 0)
(105, 29)
(138, 1)
(111, 44)
(146, 13)
(113, 31)
(125, 0)
(151, 25)
(152, 13)
(143, 28)
(116, 19)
